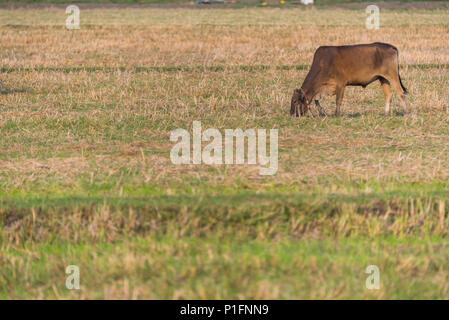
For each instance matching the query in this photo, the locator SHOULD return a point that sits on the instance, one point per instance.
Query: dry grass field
(86, 177)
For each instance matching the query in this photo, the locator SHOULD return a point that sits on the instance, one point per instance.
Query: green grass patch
(229, 268)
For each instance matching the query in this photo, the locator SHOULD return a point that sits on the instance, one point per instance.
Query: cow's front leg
(339, 98)
(320, 109)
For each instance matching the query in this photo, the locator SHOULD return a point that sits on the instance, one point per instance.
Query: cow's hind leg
(396, 84)
(401, 95)
(339, 98)
(320, 108)
(387, 93)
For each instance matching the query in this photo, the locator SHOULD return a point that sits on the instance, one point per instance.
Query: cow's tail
(400, 81)
(399, 76)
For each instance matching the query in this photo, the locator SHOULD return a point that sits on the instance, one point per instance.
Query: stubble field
(86, 177)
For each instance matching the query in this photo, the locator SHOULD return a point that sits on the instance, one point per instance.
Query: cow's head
(299, 105)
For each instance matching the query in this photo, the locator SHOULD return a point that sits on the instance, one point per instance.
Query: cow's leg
(339, 98)
(387, 93)
(397, 87)
(320, 108)
(399, 92)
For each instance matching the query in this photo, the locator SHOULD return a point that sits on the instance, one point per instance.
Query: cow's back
(352, 65)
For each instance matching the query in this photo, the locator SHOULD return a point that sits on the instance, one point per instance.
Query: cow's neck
(309, 87)
(309, 91)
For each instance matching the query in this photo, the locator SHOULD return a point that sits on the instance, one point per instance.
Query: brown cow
(335, 67)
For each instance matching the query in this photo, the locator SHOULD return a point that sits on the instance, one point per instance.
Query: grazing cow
(335, 67)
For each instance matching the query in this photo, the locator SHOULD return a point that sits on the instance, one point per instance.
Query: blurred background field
(86, 178)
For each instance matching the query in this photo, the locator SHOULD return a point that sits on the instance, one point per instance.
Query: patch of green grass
(229, 268)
